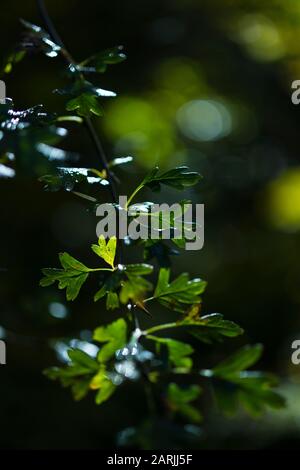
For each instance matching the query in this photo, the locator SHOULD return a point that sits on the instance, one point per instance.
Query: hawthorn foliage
(126, 352)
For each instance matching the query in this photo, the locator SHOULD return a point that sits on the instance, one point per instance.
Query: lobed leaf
(114, 335)
(179, 178)
(179, 401)
(180, 293)
(106, 251)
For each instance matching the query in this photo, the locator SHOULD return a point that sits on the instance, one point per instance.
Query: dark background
(207, 83)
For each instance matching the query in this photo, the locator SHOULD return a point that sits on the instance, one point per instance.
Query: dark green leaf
(179, 401)
(245, 357)
(99, 62)
(159, 250)
(178, 178)
(80, 87)
(213, 328)
(134, 288)
(68, 178)
(180, 293)
(112, 301)
(233, 384)
(178, 352)
(85, 105)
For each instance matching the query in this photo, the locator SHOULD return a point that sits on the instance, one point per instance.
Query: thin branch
(49, 24)
(88, 122)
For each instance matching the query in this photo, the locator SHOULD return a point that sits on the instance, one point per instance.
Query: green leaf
(112, 301)
(106, 251)
(139, 269)
(27, 137)
(178, 351)
(180, 293)
(101, 293)
(80, 389)
(114, 335)
(135, 289)
(111, 284)
(233, 384)
(105, 392)
(208, 328)
(103, 384)
(178, 178)
(71, 264)
(68, 178)
(81, 358)
(245, 357)
(85, 105)
(179, 401)
(77, 374)
(74, 285)
(99, 62)
(72, 276)
(13, 58)
(213, 327)
(80, 87)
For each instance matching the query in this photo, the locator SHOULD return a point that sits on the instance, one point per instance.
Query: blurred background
(207, 83)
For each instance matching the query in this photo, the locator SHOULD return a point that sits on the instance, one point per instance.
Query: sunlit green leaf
(72, 276)
(103, 384)
(105, 392)
(81, 358)
(106, 251)
(114, 335)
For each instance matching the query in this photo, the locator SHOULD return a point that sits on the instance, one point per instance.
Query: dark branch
(90, 127)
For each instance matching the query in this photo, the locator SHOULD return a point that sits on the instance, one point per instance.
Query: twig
(100, 151)
(88, 122)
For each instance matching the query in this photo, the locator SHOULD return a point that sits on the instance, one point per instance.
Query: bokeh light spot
(204, 120)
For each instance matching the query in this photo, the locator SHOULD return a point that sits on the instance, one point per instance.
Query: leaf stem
(165, 326)
(102, 269)
(134, 194)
